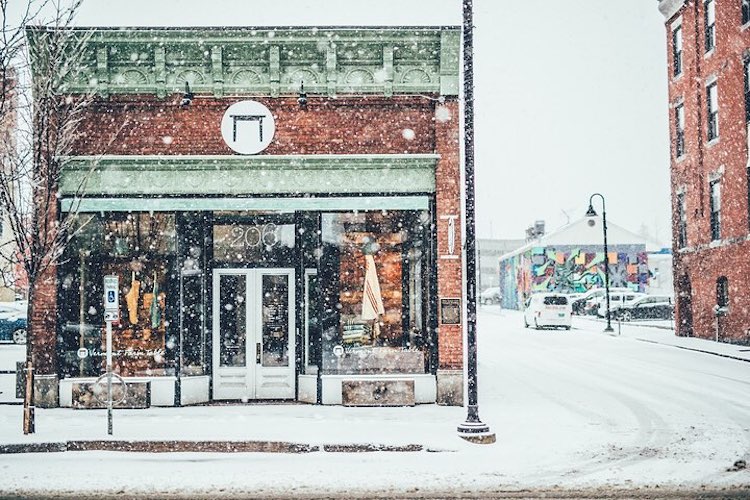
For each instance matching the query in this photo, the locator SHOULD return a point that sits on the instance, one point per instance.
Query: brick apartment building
(11, 278)
(709, 104)
(291, 230)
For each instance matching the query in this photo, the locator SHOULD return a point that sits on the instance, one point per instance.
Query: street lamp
(472, 429)
(591, 213)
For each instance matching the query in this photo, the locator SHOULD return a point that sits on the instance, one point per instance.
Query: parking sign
(111, 298)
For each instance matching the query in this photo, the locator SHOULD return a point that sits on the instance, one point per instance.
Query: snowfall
(577, 410)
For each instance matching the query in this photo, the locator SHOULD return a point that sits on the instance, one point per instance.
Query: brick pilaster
(448, 203)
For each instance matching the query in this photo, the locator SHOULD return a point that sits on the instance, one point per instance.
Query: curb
(729, 356)
(163, 446)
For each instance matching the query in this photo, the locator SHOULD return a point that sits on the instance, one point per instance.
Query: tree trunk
(28, 397)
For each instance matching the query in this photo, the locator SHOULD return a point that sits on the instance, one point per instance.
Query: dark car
(648, 307)
(12, 323)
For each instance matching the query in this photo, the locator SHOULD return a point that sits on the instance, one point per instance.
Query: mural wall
(570, 270)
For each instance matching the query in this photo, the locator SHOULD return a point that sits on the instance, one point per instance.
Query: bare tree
(41, 53)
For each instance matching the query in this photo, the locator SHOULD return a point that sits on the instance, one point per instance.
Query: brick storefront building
(287, 226)
(709, 104)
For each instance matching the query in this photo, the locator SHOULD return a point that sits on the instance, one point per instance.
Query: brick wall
(448, 202)
(326, 126)
(41, 332)
(702, 260)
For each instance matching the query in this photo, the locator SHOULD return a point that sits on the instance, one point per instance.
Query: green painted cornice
(248, 175)
(269, 61)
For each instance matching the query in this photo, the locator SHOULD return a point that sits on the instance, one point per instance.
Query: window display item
(131, 299)
(155, 312)
(372, 300)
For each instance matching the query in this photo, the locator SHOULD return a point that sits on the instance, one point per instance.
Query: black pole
(606, 257)
(472, 429)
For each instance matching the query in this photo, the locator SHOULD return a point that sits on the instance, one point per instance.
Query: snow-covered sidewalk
(660, 332)
(430, 426)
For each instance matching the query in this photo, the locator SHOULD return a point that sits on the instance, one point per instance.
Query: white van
(547, 310)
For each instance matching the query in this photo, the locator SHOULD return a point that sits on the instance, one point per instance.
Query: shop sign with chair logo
(248, 127)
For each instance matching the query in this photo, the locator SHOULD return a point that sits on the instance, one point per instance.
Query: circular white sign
(83, 353)
(248, 127)
(338, 350)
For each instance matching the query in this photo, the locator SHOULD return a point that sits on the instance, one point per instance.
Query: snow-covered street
(576, 410)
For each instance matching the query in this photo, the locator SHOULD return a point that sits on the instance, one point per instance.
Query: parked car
(547, 310)
(585, 303)
(616, 301)
(12, 322)
(648, 307)
(490, 296)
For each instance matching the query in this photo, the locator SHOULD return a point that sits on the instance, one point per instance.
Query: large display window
(374, 292)
(139, 248)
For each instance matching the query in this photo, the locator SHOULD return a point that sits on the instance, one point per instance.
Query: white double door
(253, 334)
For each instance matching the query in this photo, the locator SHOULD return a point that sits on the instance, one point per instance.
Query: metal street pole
(109, 377)
(111, 313)
(472, 429)
(591, 213)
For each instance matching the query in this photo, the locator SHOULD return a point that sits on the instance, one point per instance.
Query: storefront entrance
(253, 334)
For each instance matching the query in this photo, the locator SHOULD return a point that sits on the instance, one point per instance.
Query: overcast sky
(571, 96)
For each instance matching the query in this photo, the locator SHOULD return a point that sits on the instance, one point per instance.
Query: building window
(681, 221)
(709, 19)
(677, 50)
(139, 248)
(679, 126)
(745, 12)
(722, 291)
(712, 105)
(715, 189)
(374, 292)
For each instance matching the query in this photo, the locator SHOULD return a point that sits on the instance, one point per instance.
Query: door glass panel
(232, 319)
(275, 290)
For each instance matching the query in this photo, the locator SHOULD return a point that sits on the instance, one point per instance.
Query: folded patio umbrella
(372, 301)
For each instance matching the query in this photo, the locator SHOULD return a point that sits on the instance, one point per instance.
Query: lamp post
(592, 213)
(472, 429)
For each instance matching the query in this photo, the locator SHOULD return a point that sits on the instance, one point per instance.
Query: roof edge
(251, 28)
(670, 7)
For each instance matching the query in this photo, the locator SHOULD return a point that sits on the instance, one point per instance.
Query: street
(576, 413)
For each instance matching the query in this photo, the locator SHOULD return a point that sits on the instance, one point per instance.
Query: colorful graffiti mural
(570, 270)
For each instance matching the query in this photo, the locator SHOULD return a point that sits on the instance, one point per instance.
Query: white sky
(571, 97)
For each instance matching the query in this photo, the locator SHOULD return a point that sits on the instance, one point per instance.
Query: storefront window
(139, 249)
(374, 292)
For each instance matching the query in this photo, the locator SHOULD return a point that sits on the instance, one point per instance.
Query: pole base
(473, 430)
(609, 329)
(476, 432)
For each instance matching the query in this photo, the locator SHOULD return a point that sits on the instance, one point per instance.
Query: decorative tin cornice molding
(670, 7)
(269, 61)
(248, 175)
